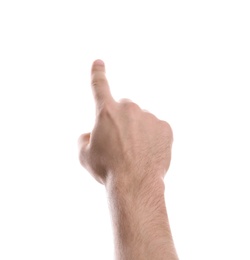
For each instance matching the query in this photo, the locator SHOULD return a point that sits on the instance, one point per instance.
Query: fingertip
(98, 62)
(98, 66)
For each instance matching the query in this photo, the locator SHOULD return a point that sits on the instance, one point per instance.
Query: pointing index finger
(100, 86)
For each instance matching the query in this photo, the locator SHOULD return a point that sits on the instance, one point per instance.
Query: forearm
(140, 221)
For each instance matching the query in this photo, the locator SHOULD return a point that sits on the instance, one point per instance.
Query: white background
(188, 62)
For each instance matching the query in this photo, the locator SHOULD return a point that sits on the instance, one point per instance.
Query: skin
(129, 152)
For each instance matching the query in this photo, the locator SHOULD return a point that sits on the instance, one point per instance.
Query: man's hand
(127, 143)
(129, 151)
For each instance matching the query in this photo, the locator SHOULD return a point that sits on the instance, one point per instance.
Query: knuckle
(124, 100)
(150, 115)
(130, 106)
(166, 126)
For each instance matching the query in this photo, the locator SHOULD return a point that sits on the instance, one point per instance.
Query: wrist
(144, 195)
(136, 191)
(135, 183)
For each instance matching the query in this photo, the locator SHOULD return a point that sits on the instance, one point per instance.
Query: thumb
(83, 142)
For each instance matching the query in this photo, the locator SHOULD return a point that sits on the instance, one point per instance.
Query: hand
(129, 151)
(127, 143)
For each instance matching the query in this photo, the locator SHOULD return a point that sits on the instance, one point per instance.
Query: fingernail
(99, 62)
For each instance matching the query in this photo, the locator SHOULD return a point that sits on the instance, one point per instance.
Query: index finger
(99, 83)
